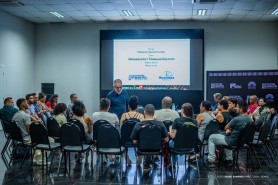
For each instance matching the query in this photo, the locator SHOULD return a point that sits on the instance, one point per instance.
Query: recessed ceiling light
(275, 12)
(127, 13)
(202, 12)
(57, 14)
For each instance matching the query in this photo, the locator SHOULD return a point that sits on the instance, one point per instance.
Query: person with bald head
(253, 104)
(166, 113)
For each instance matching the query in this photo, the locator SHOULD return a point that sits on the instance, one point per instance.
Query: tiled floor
(110, 174)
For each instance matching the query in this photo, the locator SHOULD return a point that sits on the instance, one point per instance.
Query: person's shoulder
(110, 94)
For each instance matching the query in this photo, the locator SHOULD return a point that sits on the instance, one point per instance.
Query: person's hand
(228, 131)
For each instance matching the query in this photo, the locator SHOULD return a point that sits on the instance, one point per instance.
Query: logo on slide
(269, 98)
(269, 86)
(137, 77)
(235, 86)
(166, 75)
(251, 85)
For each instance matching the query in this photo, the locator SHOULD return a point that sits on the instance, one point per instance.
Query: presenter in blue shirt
(119, 99)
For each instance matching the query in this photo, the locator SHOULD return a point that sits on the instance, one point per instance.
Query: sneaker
(147, 168)
(40, 163)
(229, 163)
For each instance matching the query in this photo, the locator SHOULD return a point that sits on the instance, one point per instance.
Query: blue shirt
(119, 102)
(7, 112)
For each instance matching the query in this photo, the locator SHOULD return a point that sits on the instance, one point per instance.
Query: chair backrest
(264, 130)
(96, 126)
(150, 138)
(15, 132)
(70, 135)
(38, 134)
(108, 137)
(126, 131)
(186, 136)
(53, 127)
(6, 127)
(246, 134)
(167, 124)
(81, 128)
(212, 128)
(273, 126)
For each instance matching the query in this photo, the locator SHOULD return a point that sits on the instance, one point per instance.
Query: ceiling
(75, 11)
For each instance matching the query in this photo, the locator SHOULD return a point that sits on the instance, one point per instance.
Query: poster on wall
(243, 84)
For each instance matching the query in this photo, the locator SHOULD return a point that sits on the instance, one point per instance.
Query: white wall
(17, 55)
(68, 54)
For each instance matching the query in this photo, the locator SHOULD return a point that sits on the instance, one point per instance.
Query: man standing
(166, 113)
(73, 99)
(119, 99)
(8, 110)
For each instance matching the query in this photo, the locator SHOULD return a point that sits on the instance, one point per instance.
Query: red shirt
(48, 104)
(252, 108)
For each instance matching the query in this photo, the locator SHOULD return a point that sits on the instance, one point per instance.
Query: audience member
(232, 107)
(204, 118)
(253, 104)
(31, 109)
(8, 110)
(52, 101)
(118, 98)
(232, 129)
(223, 115)
(166, 113)
(59, 113)
(73, 99)
(149, 114)
(103, 113)
(259, 115)
(217, 98)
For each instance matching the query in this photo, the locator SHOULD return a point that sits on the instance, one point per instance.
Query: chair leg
(271, 144)
(172, 166)
(23, 159)
(265, 153)
(197, 165)
(65, 160)
(268, 151)
(61, 158)
(5, 146)
(69, 163)
(256, 156)
(32, 156)
(42, 159)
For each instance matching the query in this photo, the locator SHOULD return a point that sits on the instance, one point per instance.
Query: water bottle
(173, 106)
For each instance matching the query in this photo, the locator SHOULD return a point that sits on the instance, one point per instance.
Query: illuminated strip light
(127, 13)
(202, 12)
(275, 12)
(57, 14)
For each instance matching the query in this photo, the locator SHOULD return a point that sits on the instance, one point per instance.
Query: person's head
(223, 105)
(232, 103)
(217, 97)
(166, 102)
(149, 110)
(22, 104)
(42, 97)
(53, 98)
(118, 86)
(78, 109)
(253, 99)
(35, 97)
(187, 110)
(133, 103)
(9, 102)
(226, 98)
(242, 107)
(104, 104)
(262, 102)
(60, 108)
(205, 106)
(29, 98)
(73, 98)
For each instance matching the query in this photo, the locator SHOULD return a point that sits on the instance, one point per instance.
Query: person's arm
(199, 119)
(141, 118)
(172, 132)
(219, 117)
(122, 119)
(27, 123)
(229, 126)
(89, 123)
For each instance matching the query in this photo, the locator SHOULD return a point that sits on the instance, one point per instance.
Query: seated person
(232, 129)
(232, 107)
(45, 113)
(73, 99)
(187, 116)
(132, 114)
(223, 115)
(31, 109)
(253, 104)
(52, 102)
(149, 114)
(104, 113)
(217, 98)
(8, 110)
(166, 113)
(59, 113)
(79, 111)
(259, 115)
(204, 118)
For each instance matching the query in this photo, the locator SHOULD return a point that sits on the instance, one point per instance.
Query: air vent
(11, 3)
(208, 1)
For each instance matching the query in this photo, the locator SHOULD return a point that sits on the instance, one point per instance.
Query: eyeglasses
(118, 87)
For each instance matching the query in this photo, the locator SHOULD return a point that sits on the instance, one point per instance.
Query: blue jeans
(174, 157)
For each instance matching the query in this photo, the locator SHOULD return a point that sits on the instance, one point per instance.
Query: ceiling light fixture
(275, 12)
(201, 12)
(57, 14)
(127, 13)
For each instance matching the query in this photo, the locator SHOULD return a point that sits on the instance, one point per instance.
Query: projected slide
(152, 63)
